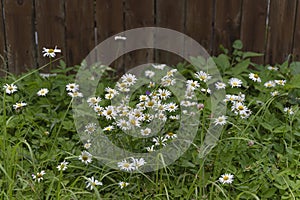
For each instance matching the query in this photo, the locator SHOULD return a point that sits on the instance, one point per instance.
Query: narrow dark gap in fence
(240, 20)
(95, 24)
(267, 31)
(65, 32)
(294, 31)
(4, 37)
(35, 36)
(212, 44)
(155, 24)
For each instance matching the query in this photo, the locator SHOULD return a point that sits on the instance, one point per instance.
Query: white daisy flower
(92, 182)
(126, 165)
(51, 53)
(226, 178)
(38, 176)
(72, 87)
(129, 79)
(235, 82)
(220, 85)
(93, 101)
(123, 184)
(221, 120)
(9, 89)
(280, 82)
(202, 76)
(62, 166)
(138, 162)
(43, 92)
(90, 128)
(108, 128)
(288, 110)
(159, 141)
(192, 85)
(159, 66)
(164, 94)
(275, 93)
(87, 145)
(149, 73)
(146, 132)
(75, 94)
(172, 107)
(269, 84)
(254, 77)
(271, 68)
(170, 135)
(19, 105)
(85, 157)
(150, 149)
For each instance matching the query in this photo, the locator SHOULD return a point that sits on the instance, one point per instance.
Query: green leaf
(237, 44)
(222, 61)
(249, 54)
(241, 67)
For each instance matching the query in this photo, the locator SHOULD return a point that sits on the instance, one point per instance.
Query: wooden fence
(271, 27)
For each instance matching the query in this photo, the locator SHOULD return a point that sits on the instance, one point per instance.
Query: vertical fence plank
(280, 31)
(296, 44)
(227, 23)
(110, 21)
(2, 44)
(139, 14)
(199, 16)
(50, 27)
(170, 14)
(80, 33)
(19, 25)
(253, 27)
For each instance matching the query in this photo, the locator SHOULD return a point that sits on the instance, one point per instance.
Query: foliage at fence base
(43, 156)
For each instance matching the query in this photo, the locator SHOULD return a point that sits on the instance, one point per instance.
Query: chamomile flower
(87, 145)
(254, 77)
(159, 141)
(75, 94)
(62, 166)
(123, 184)
(51, 53)
(269, 84)
(220, 85)
(192, 85)
(108, 128)
(202, 76)
(170, 135)
(138, 162)
(288, 110)
(90, 128)
(164, 94)
(126, 165)
(226, 178)
(150, 149)
(85, 157)
(144, 98)
(274, 93)
(9, 89)
(92, 182)
(123, 124)
(149, 73)
(280, 82)
(272, 68)
(38, 176)
(235, 82)
(93, 101)
(159, 66)
(172, 107)
(72, 87)
(43, 92)
(19, 105)
(221, 120)
(109, 112)
(129, 79)
(146, 132)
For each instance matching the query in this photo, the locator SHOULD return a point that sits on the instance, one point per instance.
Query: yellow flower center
(241, 107)
(225, 178)
(51, 51)
(84, 157)
(255, 76)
